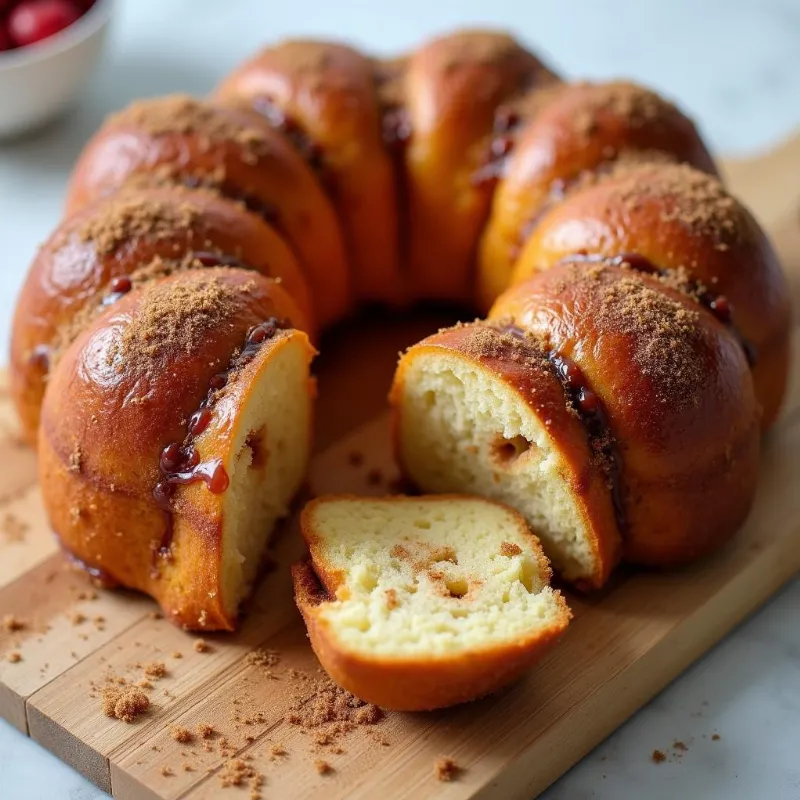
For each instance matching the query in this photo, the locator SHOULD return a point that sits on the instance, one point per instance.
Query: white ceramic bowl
(41, 81)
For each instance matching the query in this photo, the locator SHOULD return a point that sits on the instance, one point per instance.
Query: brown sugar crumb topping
(664, 334)
(131, 217)
(445, 769)
(173, 317)
(182, 114)
(510, 549)
(124, 704)
(696, 200)
(639, 107)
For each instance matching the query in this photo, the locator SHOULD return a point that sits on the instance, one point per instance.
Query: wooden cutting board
(624, 645)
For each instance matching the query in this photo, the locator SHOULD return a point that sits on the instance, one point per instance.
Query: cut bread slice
(416, 603)
(480, 411)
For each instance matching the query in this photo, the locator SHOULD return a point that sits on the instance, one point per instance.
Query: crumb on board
(205, 730)
(445, 769)
(126, 705)
(679, 745)
(181, 734)
(658, 757)
(201, 646)
(155, 669)
(14, 657)
(716, 737)
(13, 624)
(323, 767)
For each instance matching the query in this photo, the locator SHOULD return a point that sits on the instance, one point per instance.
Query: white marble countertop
(733, 64)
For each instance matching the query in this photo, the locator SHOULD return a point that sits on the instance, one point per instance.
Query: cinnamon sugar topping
(182, 114)
(132, 217)
(637, 106)
(172, 317)
(697, 200)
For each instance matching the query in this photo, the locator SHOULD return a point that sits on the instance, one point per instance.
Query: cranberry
(34, 20)
(218, 480)
(171, 457)
(6, 42)
(218, 381)
(121, 285)
(721, 307)
(199, 421)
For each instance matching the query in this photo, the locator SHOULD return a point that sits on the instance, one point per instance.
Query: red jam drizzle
(179, 463)
(718, 304)
(592, 414)
(292, 130)
(493, 165)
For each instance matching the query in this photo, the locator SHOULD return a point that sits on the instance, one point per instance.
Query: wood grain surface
(624, 645)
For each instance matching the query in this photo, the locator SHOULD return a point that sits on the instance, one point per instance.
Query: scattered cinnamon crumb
(187, 768)
(76, 618)
(678, 745)
(263, 658)
(166, 771)
(126, 705)
(277, 750)
(205, 731)
(323, 767)
(177, 654)
(87, 595)
(446, 769)
(13, 528)
(509, 549)
(716, 737)
(658, 757)
(181, 734)
(155, 669)
(12, 624)
(14, 657)
(201, 646)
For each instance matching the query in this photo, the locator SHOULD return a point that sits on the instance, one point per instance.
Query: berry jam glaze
(292, 130)
(592, 414)
(179, 463)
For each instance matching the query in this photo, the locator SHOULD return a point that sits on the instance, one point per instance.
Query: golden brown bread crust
(452, 86)
(681, 219)
(177, 139)
(677, 392)
(133, 234)
(327, 91)
(416, 684)
(520, 366)
(411, 684)
(121, 393)
(578, 129)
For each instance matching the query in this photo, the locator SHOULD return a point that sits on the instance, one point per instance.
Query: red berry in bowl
(34, 20)
(5, 39)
